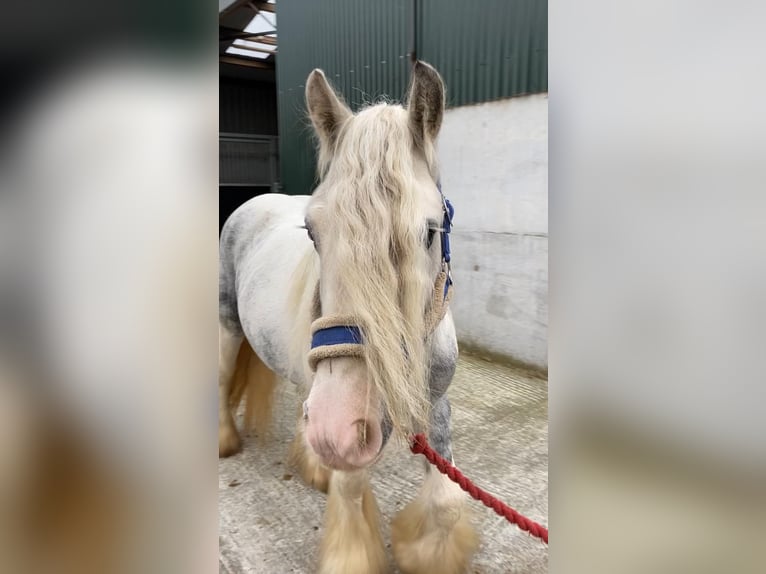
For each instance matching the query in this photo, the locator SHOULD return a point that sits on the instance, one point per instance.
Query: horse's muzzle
(354, 447)
(344, 421)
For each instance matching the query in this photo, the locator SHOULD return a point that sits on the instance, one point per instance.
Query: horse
(346, 293)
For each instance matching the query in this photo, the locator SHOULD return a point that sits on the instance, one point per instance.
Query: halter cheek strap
(339, 336)
(442, 294)
(448, 213)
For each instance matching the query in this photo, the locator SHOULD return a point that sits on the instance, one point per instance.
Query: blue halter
(351, 334)
(449, 213)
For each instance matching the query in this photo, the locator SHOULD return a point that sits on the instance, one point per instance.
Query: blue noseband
(339, 335)
(351, 334)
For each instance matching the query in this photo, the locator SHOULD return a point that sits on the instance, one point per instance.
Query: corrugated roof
(247, 33)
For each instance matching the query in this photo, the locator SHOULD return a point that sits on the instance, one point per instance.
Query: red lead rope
(420, 446)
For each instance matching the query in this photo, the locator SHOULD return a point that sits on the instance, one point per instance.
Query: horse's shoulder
(265, 206)
(262, 213)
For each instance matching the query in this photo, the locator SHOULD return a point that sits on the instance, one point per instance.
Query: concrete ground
(271, 523)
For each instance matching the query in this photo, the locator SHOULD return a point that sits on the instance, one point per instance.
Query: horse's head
(376, 220)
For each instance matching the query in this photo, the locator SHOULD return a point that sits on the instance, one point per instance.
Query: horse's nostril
(363, 433)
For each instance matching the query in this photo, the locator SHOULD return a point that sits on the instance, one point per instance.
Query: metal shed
(248, 142)
(486, 50)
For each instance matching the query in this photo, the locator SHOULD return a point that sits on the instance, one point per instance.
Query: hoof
(229, 442)
(435, 539)
(352, 542)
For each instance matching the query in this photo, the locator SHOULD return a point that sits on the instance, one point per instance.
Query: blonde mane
(301, 302)
(369, 191)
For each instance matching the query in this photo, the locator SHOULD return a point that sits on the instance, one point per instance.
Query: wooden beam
(226, 33)
(270, 40)
(265, 7)
(228, 30)
(245, 62)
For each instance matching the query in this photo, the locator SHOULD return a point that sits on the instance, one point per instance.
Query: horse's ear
(425, 103)
(328, 112)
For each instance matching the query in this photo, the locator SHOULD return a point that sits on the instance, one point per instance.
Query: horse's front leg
(306, 462)
(434, 532)
(352, 543)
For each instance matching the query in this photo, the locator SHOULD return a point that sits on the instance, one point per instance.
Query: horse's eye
(307, 227)
(430, 238)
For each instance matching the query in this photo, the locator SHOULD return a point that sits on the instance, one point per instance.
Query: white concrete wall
(494, 167)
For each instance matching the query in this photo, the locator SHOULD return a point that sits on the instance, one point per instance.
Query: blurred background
(108, 258)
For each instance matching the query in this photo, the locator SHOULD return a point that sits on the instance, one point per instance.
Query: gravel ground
(270, 523)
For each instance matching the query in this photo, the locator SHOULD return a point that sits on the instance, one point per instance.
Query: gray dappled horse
(345, 292)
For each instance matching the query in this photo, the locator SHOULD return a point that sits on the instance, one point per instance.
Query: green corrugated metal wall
(485, 50)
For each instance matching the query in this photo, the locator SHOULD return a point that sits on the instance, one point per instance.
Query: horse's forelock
(371, 192)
